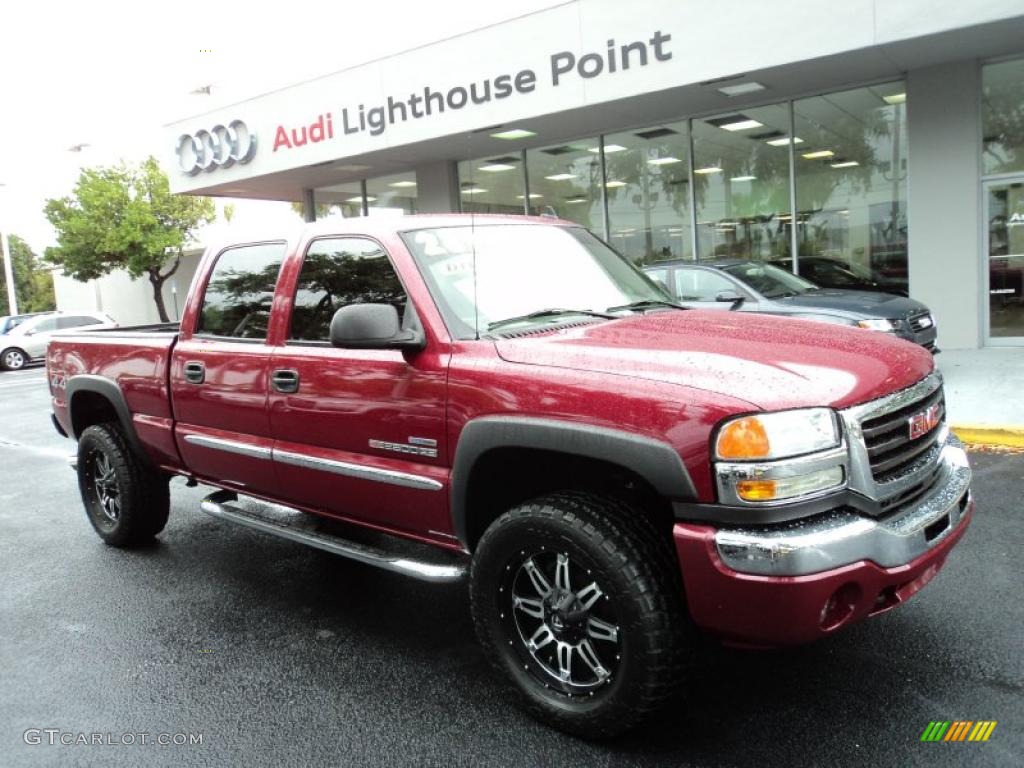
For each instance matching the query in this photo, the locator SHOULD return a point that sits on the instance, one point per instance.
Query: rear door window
(238, 296)
(76, 321)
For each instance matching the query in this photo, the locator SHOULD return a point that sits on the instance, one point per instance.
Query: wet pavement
(282, 655)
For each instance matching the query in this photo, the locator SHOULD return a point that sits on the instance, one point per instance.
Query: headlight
(878, 324)
(777, 435)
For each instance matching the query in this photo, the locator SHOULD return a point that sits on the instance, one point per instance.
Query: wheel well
(89, 408)
(505, 477)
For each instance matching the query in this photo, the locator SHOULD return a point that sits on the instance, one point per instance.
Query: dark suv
(750, 286)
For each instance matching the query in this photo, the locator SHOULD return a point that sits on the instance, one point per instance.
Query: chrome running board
(291, 524)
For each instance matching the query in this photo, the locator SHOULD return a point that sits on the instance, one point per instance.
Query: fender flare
(655, 461)
(108, 389)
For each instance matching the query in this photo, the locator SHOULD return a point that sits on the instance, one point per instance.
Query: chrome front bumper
(842, 537)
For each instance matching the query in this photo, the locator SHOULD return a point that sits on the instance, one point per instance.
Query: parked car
(829, 273)
(750, 286)
(9, 322)
(509, 400)
(27, 341)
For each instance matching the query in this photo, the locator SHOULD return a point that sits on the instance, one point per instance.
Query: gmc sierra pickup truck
(507, 400)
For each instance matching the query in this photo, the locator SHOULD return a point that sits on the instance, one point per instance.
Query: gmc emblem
(924, 422)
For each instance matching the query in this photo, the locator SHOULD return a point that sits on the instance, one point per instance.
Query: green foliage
(32, 284)
(124, 217)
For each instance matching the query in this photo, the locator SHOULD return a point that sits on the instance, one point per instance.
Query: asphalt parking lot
(282, 655)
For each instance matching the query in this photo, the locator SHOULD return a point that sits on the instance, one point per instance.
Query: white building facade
(128, 301)
(886, 136)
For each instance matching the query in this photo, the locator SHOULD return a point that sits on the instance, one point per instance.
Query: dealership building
(887, 136)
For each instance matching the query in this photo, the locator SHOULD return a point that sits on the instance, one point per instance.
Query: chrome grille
(887, 437)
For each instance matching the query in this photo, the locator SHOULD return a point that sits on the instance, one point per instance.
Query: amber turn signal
(756, 490)
(744, 438)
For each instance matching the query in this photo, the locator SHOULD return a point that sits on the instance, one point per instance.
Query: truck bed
(137, 361)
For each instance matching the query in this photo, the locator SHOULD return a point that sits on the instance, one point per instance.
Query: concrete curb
(1007, 437)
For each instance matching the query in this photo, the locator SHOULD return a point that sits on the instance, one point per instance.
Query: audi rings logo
(220, 147)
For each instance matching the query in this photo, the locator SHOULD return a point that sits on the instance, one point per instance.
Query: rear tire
(13, 359)
(577, 600)
(126, 501)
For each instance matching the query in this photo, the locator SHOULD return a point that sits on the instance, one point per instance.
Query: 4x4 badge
(924, 422)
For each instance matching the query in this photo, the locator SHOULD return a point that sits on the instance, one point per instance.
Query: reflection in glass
(492, 185)
(851, 184)
(339, 200)
(240, 290)
(741, 184)
(391, 194)
(565, 181)
(337, 272)
(1002, 116)
(648, 174)
(1005, 211)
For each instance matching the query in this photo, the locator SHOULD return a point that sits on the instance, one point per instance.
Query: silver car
(27, 342)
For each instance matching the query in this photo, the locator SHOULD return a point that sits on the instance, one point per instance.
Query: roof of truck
(369, 225)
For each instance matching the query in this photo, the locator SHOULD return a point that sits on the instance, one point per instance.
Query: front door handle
(195, 372)
(285, 380)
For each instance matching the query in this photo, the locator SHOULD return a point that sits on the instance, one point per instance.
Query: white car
(28, 341)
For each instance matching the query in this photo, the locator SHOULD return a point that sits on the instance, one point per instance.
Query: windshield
(522, 269)
(771, 282)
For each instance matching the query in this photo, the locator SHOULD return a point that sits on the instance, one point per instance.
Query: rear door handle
(285, 380)
(195, 372)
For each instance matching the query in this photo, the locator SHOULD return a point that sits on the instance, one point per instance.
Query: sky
(112, 74)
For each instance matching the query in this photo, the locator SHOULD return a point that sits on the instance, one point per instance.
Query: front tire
(13, 359)
(577, 599)
(126, 501)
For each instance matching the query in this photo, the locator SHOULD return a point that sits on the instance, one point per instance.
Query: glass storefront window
(648, 174)
(1004, 211)
(565, 181)
(339, 200)
(1002, 117)
(851, 184)
(492, 185)
(741, 184)
(391, 194)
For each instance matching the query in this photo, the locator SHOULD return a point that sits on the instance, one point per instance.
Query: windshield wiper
(542, 313)
(647, 304)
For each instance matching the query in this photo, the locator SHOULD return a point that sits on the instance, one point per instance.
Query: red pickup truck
(509, 400)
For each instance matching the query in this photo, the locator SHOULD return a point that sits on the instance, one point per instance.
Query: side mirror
(728, 296)
(372, 326)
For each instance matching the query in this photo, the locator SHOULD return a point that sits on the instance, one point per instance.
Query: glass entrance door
(1004, 213)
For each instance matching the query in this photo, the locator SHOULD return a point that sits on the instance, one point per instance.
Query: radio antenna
(472, 243)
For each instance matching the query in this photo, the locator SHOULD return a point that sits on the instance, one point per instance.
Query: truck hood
(863, 303)
(770, 362)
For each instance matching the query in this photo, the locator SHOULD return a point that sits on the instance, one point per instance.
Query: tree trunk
(157, 280)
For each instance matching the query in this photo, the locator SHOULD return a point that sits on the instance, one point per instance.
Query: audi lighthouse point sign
(219, 147)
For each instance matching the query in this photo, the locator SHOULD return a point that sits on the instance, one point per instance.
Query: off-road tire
(142, 494)
(635, 567)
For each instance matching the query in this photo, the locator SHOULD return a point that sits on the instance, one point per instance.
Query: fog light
(840, 606)
(762, 489)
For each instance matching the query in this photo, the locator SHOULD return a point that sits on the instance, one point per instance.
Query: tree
(125, 217)
(33, 285)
